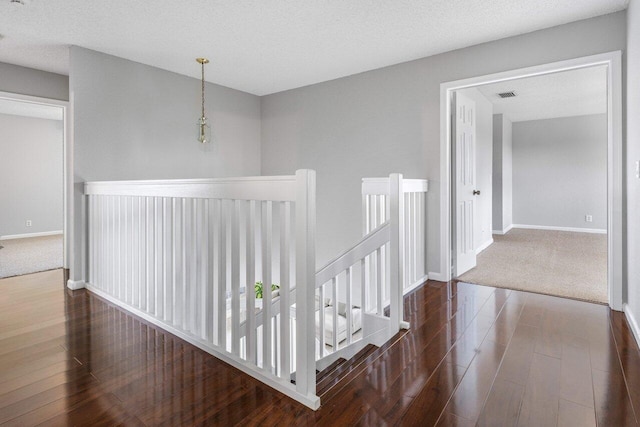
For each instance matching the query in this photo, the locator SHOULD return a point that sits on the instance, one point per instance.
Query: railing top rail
(364, 247)
(275, 188)
(380, 186)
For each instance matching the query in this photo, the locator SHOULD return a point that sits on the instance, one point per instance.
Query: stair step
(334, 373)
(320, 375)
(348, 370)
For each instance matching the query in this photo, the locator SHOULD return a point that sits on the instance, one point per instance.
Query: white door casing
(464, 209)
(615, 193)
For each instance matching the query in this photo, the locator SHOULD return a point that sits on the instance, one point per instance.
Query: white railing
(373, 268)
(186, 254)
(375, 211)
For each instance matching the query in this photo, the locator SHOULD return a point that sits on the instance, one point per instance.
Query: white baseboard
(24, 236)
(415, 284)
(573, 229)
(75, 284)
(633, 322)
(484, 246)
(502, 232)
(436, 276)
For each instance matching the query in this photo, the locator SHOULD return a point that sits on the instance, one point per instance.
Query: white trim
(416, 284)
(484, 246)
(282, 386)
(67, 148)
(502, 232)
(438, 277)
(27, 235)
(633, 322)
(76, 284)
(551, 227)
(613, 61)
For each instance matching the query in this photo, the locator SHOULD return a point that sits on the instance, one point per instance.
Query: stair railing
(185, 255)
(382, 247)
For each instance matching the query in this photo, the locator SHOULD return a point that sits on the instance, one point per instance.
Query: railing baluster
(151, 288)
(251, 338)
(222, 278)
(322, 320)
(267, 222)
(208, 298)
(348, 305)
(379, 283)
(167, 234)
(203, 257)
(334, 290)
(192, 282)
(235, 276)
(285, 306)
(178, 242)
(363, 285)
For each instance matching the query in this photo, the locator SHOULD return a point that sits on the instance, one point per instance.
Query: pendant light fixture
(204, 131)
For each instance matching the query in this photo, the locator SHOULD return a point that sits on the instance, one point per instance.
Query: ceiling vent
(510, 94)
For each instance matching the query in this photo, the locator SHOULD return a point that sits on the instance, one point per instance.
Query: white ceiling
(262, 46)
(30, 109)
(569, 93)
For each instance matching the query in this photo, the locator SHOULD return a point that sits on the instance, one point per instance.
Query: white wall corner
(484, 246)
(633, 322)
(438, 277)
(76, 284)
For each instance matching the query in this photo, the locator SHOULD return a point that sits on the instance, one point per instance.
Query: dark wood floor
(474, 355)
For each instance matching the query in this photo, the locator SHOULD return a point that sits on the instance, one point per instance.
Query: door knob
(476, 192)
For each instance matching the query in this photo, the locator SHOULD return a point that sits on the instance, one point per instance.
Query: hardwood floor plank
(576, 384)
(540, 400)
(571, 414)
(519, 355)
(502, 407)
(629, 357)
(470, 396)
(613, 405)
(426, 408)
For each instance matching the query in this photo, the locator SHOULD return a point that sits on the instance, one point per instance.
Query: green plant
(258, 288)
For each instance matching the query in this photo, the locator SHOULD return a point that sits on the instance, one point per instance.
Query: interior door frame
(67, 166)
(613, 62)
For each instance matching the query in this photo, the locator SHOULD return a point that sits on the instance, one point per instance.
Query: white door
(465, 192)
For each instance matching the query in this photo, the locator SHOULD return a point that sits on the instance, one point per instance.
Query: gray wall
(388, 120)
(633, 154)
(484, 166)
(31, 174)
(560, 172)
(27, 81)
(502, 174)
(133, 121)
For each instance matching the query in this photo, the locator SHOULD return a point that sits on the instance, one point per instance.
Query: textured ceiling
(29, 109)
(569, 93)
(268, 46)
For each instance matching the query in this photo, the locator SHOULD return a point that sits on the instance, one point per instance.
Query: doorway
(34, 223)
(611, 64)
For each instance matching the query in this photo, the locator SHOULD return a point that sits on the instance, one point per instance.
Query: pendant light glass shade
(204, 130)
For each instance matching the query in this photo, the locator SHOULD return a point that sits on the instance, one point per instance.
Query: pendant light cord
(202, 89)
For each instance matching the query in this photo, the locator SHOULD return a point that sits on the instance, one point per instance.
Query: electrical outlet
(29, 224)
(588, 218)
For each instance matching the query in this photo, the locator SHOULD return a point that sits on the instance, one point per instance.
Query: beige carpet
(24, 256)
(560, 263)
